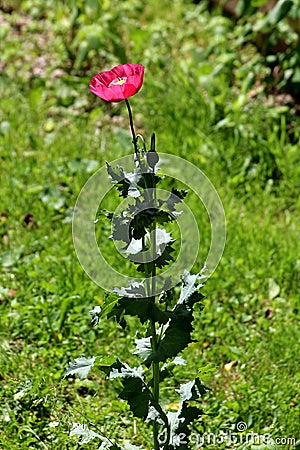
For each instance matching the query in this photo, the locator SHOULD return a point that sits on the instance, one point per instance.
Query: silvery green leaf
(128, 446)
(86, 434)
(133, 178)
(162, 238)
(135, 289)
(154, 416)
(186, 414)
(176, 214)
(188, 285)
(189, 391)
(143, 347)
(95, 313)
(114, 176)
(135, 246)
(119, 180)
(127, 372)
(179, 361)
(81, 366)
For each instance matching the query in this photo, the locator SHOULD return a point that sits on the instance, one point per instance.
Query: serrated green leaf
(159, 262)
(110, 301)
(149, 181)
(154, 416)
(144, 218)
(179, 422)
(168, 294)
(133, 179)
(121, 227)
(126, 182)
(113, 175)
(135, 303)
(81, 366)
(176, 197)
(185, 415)
(151, 247)
(140, 307)
(137, 396)
(120, 182)
(178, 361)
(168, 367)
(176, 334)
(135, 391)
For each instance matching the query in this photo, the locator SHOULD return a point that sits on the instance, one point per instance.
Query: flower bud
(152, 158)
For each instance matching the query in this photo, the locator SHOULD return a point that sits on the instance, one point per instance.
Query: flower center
(118, 81)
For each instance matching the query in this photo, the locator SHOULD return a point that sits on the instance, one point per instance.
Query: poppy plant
(119, 83)
(166, 315)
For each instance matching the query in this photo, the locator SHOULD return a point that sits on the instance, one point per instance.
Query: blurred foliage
(208, 63)
(95, 33)
(274, 26)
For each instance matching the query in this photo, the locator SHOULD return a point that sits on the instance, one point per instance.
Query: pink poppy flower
(119, 83)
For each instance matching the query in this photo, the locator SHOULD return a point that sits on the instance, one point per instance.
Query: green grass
(54, 135)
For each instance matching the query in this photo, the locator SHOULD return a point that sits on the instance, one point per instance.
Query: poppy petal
(119, 83)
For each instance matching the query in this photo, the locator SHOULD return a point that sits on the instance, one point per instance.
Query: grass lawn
(199, 99)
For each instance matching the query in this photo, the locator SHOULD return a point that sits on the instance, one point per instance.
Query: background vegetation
(214, 98)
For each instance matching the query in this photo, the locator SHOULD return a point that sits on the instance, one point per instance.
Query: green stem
(154, 340)
(151, 293)
(148, 293)
(155, 366)
(155, 372)
(131, 126)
